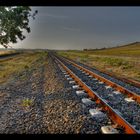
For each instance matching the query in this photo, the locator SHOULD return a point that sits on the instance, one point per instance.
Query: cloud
(71, 29)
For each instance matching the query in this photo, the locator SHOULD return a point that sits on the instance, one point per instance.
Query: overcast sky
(82, 27)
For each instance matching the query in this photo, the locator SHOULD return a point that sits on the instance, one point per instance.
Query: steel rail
(124, 79)
(135, 96)
(115, 117)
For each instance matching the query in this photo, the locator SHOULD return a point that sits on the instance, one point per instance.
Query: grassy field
(130, 50)
(18, 64)
(5, 52)
(123, 61)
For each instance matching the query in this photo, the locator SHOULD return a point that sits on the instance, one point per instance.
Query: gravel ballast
(55, 107)
(130, 111)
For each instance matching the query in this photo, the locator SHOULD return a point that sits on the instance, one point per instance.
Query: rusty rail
(124, 79)
(129, 93)
(115, 117)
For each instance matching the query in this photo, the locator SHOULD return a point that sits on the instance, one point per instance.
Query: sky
(82, 27)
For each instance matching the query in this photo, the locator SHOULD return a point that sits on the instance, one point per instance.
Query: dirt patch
(3, 95)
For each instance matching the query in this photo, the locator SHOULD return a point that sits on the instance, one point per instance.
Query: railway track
(123, 79)
(124, 88)
(129, 84)
(120, 104)
(128, 81)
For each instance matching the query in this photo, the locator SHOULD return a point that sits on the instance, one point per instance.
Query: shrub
(117, 62)
(26, 66)
(27, 102)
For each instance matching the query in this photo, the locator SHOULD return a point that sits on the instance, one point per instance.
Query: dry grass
(4, 52)
(130, 50)
(110, 60)
(18, 64)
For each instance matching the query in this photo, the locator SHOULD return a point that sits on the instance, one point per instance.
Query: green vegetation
(27, 102)
(13, 21)
(116, 62)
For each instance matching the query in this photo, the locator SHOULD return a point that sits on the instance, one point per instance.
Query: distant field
(124, 60)
(130, 50)
(4, 52)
